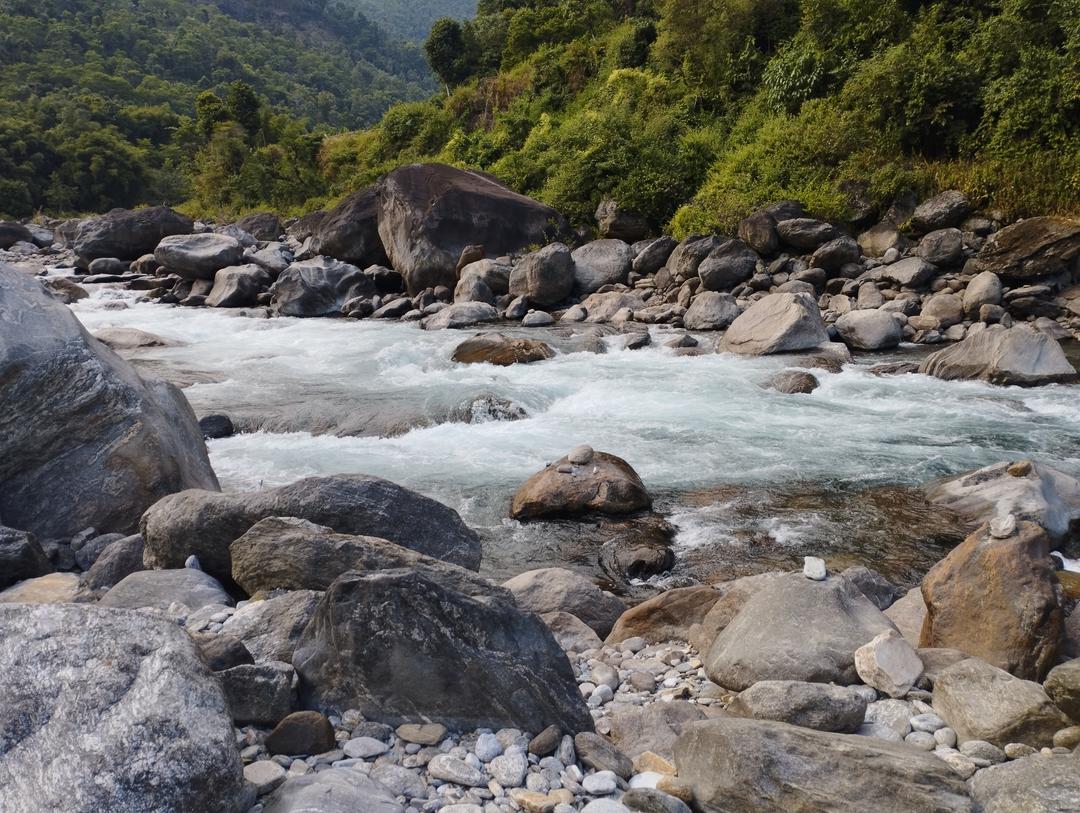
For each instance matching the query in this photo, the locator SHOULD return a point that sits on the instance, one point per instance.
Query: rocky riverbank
(331, 643)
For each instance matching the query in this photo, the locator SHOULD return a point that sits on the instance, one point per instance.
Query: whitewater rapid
(688, 424)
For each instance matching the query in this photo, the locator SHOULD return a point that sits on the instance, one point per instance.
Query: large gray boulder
(734, 765)
(337, 790)
(810, 705)
(1033, 248)
(238, 286)
(794, 628)
(198, 256)
(110, 710)
(727, 265)
(128, 234)
(459, 315)
(777, 323)
(400, 647)
(205, 523)
(687, 256)
(21, 557)
(600, 263)
(428, 213)
(350, 231)
(85, 441)
(270, 628)
(711, 310)
(982, 702)
(555, 589)
(285, 553)
(1018, 355)
(545, 277)
(945, 209)
(652, 257)
(1037, 784)
(911, 272)
(161, 588)
(869, 330)
(319, 287)
(1031, 491)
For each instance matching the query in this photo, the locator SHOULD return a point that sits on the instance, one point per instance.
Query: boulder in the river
(1029, 490)
(778, 323)
(544, 277)
(578, 483)
(810, 705)
(500, 350)
(869, 330)
(401, 647)
(85, 440)
(1032, 248)
(130, 338)
(319, 287)
(995, 597)
(600, 263)
(794, 628)
(21, 557)
(128, 234)
(238, 286)
(555, 589)
(198, 256)
(110, 710)
(350, 231)
(982, 702)
(205, 523)
(459, 315)
(161, 588)
(430, 212)
(1017, 355)
(735, 765)
(711, 310)
(793, 382)
(285, 553)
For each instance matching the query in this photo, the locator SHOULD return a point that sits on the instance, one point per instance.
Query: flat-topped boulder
(1036, 784)
(400, 648)
(869, 330)
(810, 705)
(711, 310)
(777, 323)
(205, 523)
(158, 589)
(198, 256)
(86, 440)
(110, 710)
(581, 482)
(128, 234)
(1032, 248)
(238, 286)
(428, 213)
(1016, 355)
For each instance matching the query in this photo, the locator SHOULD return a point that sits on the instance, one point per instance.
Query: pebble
(962, 766)
(921, 739)
(545, 742)
(422, 734)
(487, 747)
(509, 769)
(265, 775)
(945, 736)
(635, 644)
(1017, 750)
(927, 722)
(814, 568)
(364, 748)
(602, 694)
(605, 806)
(1003, 527)
(1067, 737)
(600, 783)
(581, 455)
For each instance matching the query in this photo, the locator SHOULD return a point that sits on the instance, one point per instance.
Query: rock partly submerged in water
(500, 350)
(1004, 356)
(778, 323)
(582, 481)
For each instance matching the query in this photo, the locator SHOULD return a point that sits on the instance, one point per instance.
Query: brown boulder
(500, 350)
(666, 617)
(1036, 247)
(997, 599)
(602, 482)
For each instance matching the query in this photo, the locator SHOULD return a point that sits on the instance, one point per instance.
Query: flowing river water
(750, 478)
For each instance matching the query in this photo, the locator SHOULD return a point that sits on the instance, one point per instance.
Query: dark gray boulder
(430, 212)
(319, 287)
(545, 277)
(688, 255)
(21, 557)
(269, 629)
(238, 286)
(727, 265)
(805, 233)
(734, 765)
(400, 647)
(285, 553)
(941, 211)
(128, 234)
(616, 222)
(161, 588)
(600, 263)
(119, 559)
(110, 710)
(261, 225)
(258, 694)
(198, 256)
(794, 628)
(653, 256)
(711, 310)
(85, 441)
(205, 523)
(350, 231)
(12, 233)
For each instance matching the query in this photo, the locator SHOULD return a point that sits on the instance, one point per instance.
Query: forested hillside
(97, 96)
(696, 111)
(411, 19)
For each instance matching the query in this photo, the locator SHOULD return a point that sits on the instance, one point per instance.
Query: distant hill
(411, 19)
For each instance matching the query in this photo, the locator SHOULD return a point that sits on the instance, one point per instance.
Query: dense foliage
(411, 19)
(97, 96)
(696, 111)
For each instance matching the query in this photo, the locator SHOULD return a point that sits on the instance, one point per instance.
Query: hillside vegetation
(411, 19)
(97, 97)
(694, 112)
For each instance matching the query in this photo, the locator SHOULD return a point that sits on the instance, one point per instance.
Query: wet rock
(129, 338)
(65, 290)
(430, 212)
(400, 647)
(792, 628)
(500, 350)
(128, 234)
(607, 485)
(319, 287)
(554, 589)
(21, 557)
(238, 286)
(1033, 248)
(1012, 356)
(810, 705)
(870, 330)
(161, 588)
(215, 427)
(997, 599)
(982, 702)
(198, 256)
(734, 765)
(110, 710)
(710, 310)
(336, 790)
(665, 617)
(205, 523)
(793, 382)
(778, 323)
(81, 422)
(350, 231)
(600, 263)
(459, 315)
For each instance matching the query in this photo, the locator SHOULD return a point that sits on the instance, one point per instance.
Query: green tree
(243, 107)
(444, 48)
